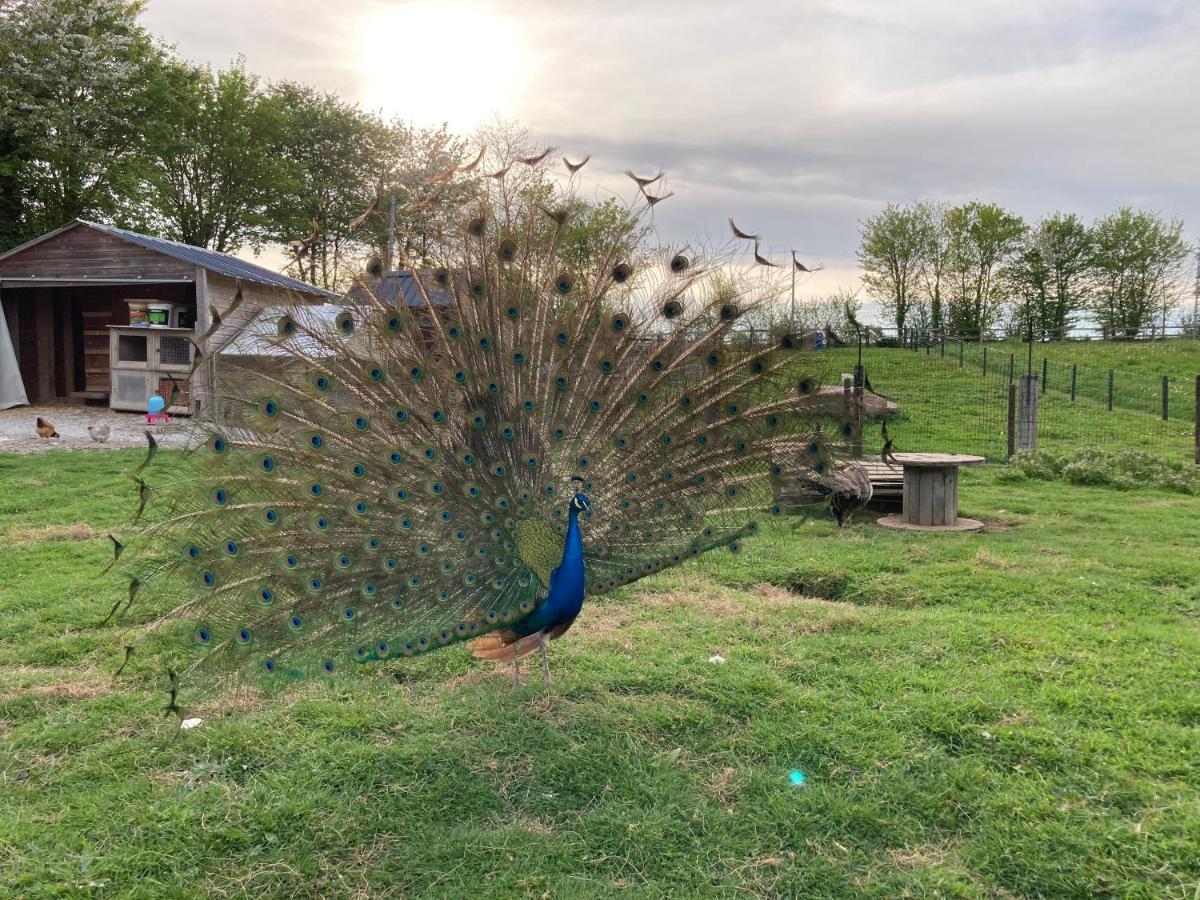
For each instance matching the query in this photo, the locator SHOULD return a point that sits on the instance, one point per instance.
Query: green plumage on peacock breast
(387, 478)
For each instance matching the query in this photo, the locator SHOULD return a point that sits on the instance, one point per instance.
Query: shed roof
(212, 260)
(401, 289)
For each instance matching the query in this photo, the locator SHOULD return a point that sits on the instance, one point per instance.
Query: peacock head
(581, 502)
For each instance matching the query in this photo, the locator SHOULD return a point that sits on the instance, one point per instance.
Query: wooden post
(1110, 389)
(961, 344)
(44, 342)
(985, 362)
(1012, 419)
(942, 343)
(1012, 363)
(1027, 414)
(1074, 376)
(1198, 420)
(1045, 372)
(1166, 388)
(858, 411)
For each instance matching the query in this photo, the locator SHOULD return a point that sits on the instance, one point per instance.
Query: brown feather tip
(738, 233)
(640, 181)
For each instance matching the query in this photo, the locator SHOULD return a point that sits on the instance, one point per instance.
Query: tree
(1138, 264)
(334, 161)
(213, 152)
(934, 256)
(73, 78)
(891, 250)
(1051, 274)
(980, 239)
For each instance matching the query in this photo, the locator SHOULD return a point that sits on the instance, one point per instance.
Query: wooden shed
(64, 292)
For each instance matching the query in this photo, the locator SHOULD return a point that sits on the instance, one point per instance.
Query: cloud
(801, 118)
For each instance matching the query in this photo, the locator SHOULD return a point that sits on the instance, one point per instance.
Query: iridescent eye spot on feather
(478, 288)
(313, 585)
(230, 548)
(285, 327)
(847, 429)
(316, 441)
(360, 422)
(493, 387)
(243, 636)
(472, 490)
(344, 323)
(460, 535)
(438, 416)
(269, 407)
(453, 331)
(732, 409)
(731, 491)
(207, 579)
(701, 479)
(191, 552)
(564, 283)
(484, 342)
(620, 442)
(441, 277)
(400, 495)
(266, 464)
(219, 496)
(713, 360)
(460, 376)
(680, 263)
(358, 470)
(217, 444)
(400, 415)
(507, 250)
(561, 338)
(321, 523)
(347, 614)
(435, 488)
(414, 581)
(372, 544)
(622, 272)
(499, 471)
(416, 373)
(395, 457)
(430, 453)
(264, 596)
(203, 635)
(445, 515)
(804, 387)
(327, 667)
(672, 309)
(314, 489)
(397, 603)
(518, 358)
(685, 401)
(374, 372)
(295, 623)
(269, 666)
(560, 382)
(667, 440)
(702, 440)
(596, 405)
(606, 366)
(476, 226)
(757, 367)
(359, 507)
(290, 561)
(735, 547)
(619, 323)
(393, 324)
(657, 365)
(389, 564)
(513, 313)
(467, 458)
(729, 312)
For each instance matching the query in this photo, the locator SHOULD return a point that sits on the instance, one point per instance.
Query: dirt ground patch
(17, 433)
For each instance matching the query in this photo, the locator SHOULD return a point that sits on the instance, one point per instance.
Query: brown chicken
(45, 428)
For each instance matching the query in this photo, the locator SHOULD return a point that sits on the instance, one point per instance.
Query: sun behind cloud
(452, 63)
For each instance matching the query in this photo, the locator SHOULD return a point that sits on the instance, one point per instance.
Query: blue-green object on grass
(155, 404)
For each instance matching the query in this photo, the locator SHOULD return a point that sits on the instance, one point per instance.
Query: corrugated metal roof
(221, 263)
(400, 288)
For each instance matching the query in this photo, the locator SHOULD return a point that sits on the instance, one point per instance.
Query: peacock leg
(544, 644)
(516, 670)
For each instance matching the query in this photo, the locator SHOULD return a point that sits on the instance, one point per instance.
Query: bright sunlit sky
(798, 119)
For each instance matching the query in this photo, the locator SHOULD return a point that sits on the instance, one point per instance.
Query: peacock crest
(404, 473)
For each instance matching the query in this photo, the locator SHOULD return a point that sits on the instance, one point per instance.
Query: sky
(799, 119)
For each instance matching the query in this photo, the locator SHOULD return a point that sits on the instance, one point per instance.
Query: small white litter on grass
(189, 723)
(718, 659)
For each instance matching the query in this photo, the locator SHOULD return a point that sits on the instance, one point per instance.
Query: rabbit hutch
(100, 314)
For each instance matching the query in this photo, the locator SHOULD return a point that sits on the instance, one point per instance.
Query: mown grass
(1014, 713)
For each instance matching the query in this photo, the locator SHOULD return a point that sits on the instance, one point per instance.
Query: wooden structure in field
(63, 292)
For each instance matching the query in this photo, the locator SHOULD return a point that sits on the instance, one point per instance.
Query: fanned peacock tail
(395, 478)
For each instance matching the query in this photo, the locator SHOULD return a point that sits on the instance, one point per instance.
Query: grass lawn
(1015, 713)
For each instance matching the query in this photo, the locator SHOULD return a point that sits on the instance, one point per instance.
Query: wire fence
(951, 395)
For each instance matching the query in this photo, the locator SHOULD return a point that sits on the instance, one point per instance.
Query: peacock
(548, 405)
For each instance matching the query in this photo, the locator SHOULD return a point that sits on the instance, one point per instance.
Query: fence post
(1012, 419)
(942, 343)
(985, 362)
(859, 379)
(1166, 394)
(1074, 375)
(961, 344)
(1045, 372)
(1027, 413)
(1012, 362)
(1110, 389)
(1198, 420)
